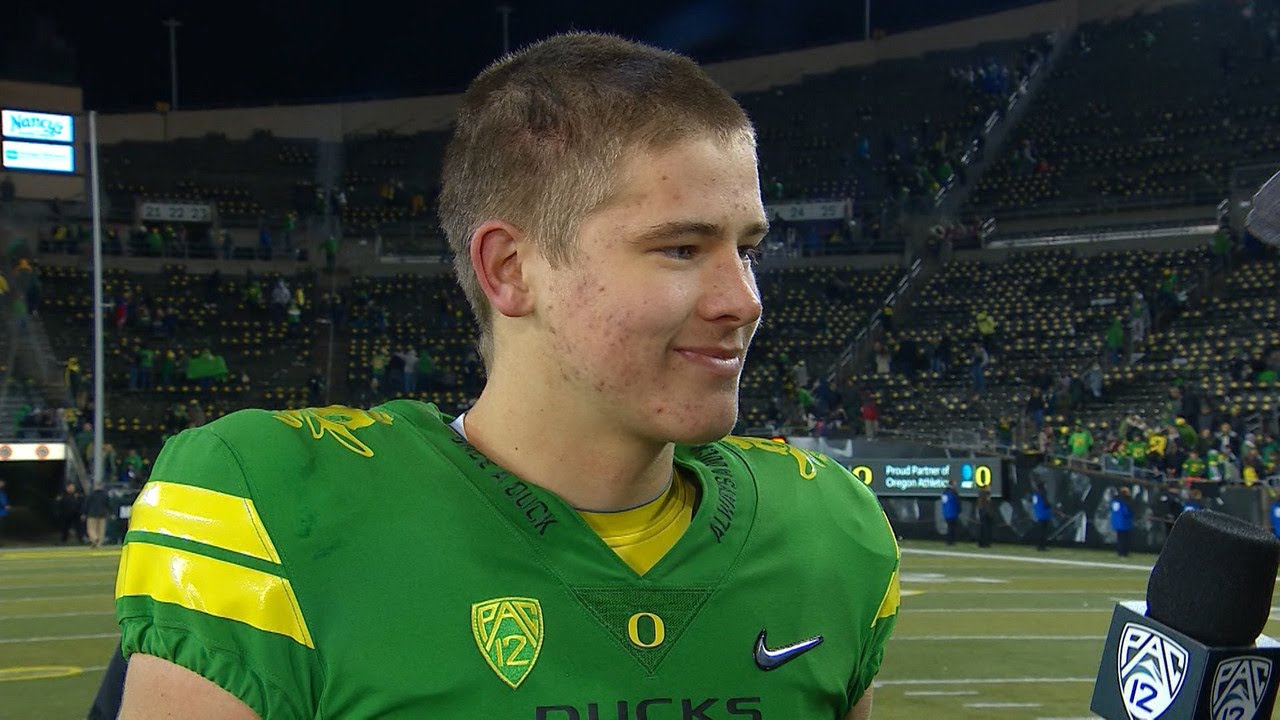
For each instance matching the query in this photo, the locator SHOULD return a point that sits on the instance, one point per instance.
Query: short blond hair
(542, 133)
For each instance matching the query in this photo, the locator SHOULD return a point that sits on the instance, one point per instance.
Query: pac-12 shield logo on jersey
(1239, 684)
(1151, 668)
(508, 631)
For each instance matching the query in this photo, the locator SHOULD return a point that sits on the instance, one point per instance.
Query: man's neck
(588, 463)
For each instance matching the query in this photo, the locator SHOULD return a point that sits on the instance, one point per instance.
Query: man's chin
(705, 433)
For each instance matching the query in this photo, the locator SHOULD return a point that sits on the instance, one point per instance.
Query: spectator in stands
(228, 245)
(409, 357)
(978, 361)
(1081, 443)
(1193, 467)
(882, 357)
(279, 300)
(293, 319)
(1122, 520)
(287, 227)
(870, 416)
(146, 363)
(69, 504)
(7, 189)
(378, 370)
(951, 510)
(195, 414)
(395, 372)
(1035, 408)
(1115, 340)
(986, 330)
(1092, 381)
(131, 469)
(315, 388)
(110, 461)
(155, 243)
(71, 377)
(1139, 318)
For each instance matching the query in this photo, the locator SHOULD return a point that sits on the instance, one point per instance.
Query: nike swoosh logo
(767, 659)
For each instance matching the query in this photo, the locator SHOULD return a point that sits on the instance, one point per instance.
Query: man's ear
(499, 251)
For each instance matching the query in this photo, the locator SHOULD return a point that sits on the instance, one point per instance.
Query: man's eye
(749, 253)
(680, 252)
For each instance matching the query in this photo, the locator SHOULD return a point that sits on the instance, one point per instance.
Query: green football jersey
(342, 563)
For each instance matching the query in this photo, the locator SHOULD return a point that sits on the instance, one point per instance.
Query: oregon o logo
(863, 473)
(659, 632)
(982, 476)
(42, 452)
(6, 452)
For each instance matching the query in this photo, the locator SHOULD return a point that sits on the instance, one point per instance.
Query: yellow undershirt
(642, 536)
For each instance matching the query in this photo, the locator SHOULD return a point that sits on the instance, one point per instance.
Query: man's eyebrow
(678, 228)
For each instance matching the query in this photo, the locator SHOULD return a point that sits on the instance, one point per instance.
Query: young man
(593, 548)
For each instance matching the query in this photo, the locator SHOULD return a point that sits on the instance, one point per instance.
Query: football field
(1003, 633)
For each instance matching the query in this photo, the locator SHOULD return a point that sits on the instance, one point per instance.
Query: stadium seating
(1089, 144)
(1051, 311)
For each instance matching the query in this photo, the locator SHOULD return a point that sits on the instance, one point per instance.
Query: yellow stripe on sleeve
(892, 599)
(213, 587)
(204, 516)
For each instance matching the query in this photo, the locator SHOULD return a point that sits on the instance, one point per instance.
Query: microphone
(1263, 221)
(1194, 649)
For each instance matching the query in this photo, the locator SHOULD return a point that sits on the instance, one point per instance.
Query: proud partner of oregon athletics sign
(927, 477)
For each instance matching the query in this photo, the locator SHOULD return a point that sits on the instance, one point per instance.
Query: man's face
(649, 322)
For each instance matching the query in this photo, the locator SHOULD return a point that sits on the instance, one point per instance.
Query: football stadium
(1009, 272)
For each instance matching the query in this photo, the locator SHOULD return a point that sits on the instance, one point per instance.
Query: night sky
(234, 52)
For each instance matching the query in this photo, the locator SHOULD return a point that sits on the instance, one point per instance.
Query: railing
(844, 364)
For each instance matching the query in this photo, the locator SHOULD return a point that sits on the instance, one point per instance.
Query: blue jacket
(1275, 518)
(1040, 505)
(4, 504)
(1121, 515)
(950, 504)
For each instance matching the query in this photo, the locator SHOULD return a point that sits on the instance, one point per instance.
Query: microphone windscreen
(1214, 579)
(1263, 220)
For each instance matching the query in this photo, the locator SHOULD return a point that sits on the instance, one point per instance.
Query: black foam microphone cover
(1264, 219)
(1214, 579)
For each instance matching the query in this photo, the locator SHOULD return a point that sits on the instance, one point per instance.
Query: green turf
(1002, 627)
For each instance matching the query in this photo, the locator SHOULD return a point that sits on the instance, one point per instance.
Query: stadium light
(173, 26)
(505, 11)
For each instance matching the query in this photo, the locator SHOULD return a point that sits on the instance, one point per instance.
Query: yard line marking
(57, 615)
(45, 672)
(951, 638)
(1001, 705)
(985, 681)
(54, 554)
(57, 597)
(1035, 560)
(949, 610)
(47, 638)
(932, 693)
(52, 585)
(58, 574)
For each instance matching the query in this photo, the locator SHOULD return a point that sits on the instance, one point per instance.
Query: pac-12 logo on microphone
(1239, 684)
(1151, 668)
